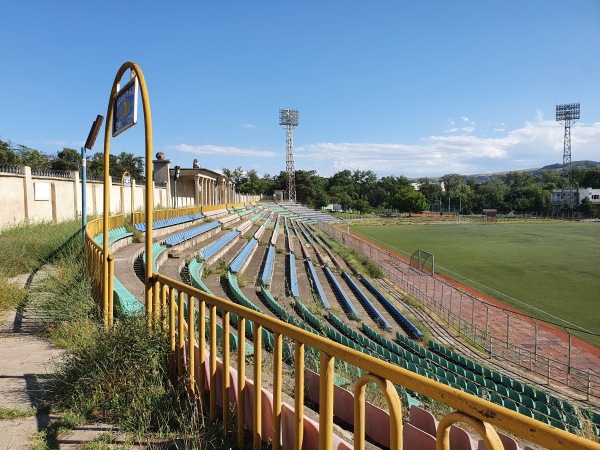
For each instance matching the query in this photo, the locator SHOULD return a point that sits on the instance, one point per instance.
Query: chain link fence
(529, 342)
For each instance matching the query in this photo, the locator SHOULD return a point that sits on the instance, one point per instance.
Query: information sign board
(125, 107)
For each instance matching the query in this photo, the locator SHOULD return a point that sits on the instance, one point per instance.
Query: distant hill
(483, 177)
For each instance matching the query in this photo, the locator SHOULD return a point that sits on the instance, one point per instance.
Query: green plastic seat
(514, 396)
(541, 397)
(472, 387)
(543, 408)
(557, 423)
(517, 386)
(500, 389)
(495, 398)
(479, 380)
(556, 402)
(490, 385)
(497, 377)
(510, 404)
(525, 411)
(528, 402)
(529, 391)
(556, 414)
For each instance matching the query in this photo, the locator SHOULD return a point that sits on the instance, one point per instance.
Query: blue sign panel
(125, 108)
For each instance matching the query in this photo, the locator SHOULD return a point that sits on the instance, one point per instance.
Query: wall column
(197, 189)
(27, 193)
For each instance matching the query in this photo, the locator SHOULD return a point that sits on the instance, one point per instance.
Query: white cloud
(536, 144)
(468, 126)
(219, 150)
(248, 125)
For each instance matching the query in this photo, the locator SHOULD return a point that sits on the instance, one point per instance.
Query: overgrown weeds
(25, 248)
(121, 375)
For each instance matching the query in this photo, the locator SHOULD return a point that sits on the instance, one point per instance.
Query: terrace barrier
(187, 316)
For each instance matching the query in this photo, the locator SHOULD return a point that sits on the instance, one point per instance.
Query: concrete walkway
(26, 361)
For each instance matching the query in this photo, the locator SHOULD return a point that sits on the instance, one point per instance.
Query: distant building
(417, 186)
(333, 207)
(559, 197)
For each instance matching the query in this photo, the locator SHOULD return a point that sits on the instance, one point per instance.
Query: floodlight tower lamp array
(289, 118)
(567, 114)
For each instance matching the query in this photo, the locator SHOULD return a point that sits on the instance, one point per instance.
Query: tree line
(360, 191)
(70, 159)
(364, 192)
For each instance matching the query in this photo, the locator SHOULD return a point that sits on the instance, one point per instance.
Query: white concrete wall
(18, 202)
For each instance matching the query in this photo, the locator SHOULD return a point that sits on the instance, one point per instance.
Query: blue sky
(401, 88)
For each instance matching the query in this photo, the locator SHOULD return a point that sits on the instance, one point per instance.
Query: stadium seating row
(163, 223)
(362, 298)
(294, 290)
(114, 235)
(243, 256)
(186, 235)
(317, 285)
(346, 304)
(400, 318)
(211, 250)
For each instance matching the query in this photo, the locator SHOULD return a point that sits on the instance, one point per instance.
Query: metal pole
(83, 194)
(569, 367)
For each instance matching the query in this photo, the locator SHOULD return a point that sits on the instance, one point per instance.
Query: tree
(67, 159)
(452, 181)
(361, 205)
(125, 162)
(586, 207)
(33, 158)
(237, 175)
(364, 181)
(391, 186)
(409, 200)
(431, 191)
(491, 195)
(8, 155)
(591, 179)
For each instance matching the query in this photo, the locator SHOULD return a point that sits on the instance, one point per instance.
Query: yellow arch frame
(107, 293)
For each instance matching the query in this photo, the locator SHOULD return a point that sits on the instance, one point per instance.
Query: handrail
(479, 410)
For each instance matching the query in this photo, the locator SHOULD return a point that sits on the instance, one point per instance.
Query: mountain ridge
(483, 177)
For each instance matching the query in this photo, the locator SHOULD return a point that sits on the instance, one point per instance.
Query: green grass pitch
(551, 266)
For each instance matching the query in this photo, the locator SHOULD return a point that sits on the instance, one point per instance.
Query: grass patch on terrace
(548, 266)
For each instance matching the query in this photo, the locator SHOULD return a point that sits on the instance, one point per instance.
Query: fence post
(569, 366)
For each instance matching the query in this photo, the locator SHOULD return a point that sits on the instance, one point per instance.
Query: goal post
(423, 261)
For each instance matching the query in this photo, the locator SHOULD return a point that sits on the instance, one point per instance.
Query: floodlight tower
(567, 114)
(288, 118)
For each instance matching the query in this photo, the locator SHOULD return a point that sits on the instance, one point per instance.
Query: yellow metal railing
(474, 411)
(162, 214)
(188, 315)
(213, 207)
(94, 255)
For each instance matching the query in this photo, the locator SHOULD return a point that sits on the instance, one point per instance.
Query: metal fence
(503, 333)
(10, 168)
(52, 173)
